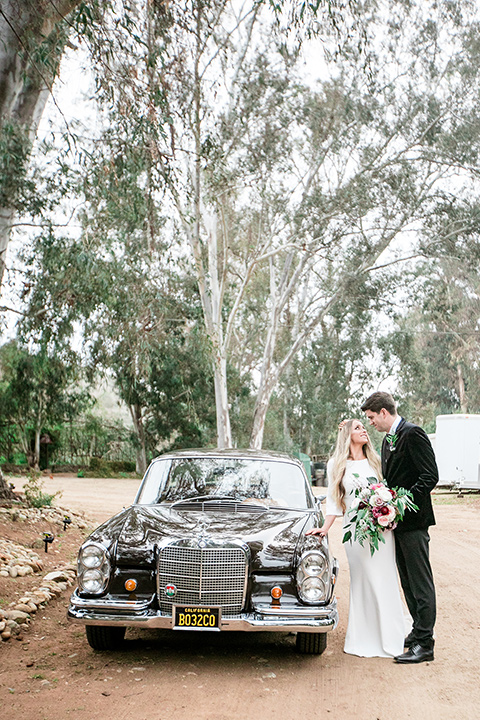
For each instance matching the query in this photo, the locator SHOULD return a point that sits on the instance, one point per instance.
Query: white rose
(384, 493)
(376, 500)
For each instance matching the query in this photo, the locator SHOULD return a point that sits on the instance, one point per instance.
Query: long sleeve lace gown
(376, 626)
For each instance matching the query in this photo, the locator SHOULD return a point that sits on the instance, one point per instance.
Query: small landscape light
(130, 585)
(66, 521)
(47, 539)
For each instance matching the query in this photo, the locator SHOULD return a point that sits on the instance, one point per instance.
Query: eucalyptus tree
(117, 287)
(434, 348)
(38, 388)
(33, 35)
(284, 196)
(327, 380)
(288, 195)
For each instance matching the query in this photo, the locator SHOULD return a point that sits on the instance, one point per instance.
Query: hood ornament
(203, 538)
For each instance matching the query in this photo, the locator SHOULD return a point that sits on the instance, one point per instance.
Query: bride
(375, 618)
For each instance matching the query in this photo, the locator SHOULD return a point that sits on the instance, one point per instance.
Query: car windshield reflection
(260, 482)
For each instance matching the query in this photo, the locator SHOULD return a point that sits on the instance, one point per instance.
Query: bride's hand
(317, 531)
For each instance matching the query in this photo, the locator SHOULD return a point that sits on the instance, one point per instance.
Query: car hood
(273, 536)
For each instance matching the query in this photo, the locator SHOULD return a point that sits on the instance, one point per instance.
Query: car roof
(234, 453)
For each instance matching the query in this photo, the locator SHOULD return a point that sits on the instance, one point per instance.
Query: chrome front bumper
(139, 613)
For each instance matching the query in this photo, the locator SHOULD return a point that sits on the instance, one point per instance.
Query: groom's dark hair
(379, 400)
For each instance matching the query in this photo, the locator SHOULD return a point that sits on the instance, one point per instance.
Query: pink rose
(386, 519)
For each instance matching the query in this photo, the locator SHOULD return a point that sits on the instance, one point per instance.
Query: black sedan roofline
(235, 453)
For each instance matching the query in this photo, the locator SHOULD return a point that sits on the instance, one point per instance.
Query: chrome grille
(211, 575)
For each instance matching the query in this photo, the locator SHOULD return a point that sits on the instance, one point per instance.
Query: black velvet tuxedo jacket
(411, 465)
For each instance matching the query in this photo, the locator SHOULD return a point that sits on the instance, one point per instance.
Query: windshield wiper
(203, 498)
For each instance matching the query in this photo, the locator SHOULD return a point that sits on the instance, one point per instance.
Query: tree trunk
(36, 450)
(461, 390)
(29, 31)
(261, 407)
(6, 493)
(224, 433)
(209, 284)
(141, 462)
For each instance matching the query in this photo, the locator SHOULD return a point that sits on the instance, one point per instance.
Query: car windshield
(264, 482)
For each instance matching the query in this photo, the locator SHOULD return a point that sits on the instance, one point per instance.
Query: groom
(408, 461)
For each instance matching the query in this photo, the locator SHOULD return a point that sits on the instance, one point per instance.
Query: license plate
(196, 618)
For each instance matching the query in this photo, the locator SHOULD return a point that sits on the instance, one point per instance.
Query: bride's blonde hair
(340, 457)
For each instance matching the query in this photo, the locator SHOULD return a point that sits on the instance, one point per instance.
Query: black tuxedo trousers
(411, 464)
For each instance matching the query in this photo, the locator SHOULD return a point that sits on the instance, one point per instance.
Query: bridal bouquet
(376, 508)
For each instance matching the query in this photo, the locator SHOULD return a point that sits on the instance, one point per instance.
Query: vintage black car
(214, 541)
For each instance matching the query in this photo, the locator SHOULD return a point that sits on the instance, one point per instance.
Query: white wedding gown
(376, 626)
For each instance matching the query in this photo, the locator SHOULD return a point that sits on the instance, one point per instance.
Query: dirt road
(53, 674)
(98, 497)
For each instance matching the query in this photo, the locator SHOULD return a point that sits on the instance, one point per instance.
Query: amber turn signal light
(130, 585)
(276, 592)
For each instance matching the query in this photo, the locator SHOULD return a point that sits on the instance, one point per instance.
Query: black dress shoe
(415, 654)
(409, 640)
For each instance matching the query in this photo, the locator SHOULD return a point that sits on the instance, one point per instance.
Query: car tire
(105, 638)
(311, 643)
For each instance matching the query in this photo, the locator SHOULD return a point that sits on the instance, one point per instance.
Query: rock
(6, 635)
(13, 572)
(3, 625)
(16, 615)
(23, 608)
(55, 576)
(4, 573)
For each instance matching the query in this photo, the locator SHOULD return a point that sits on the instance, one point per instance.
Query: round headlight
(92, 581)
(91, 556)
(313, 564)
(93, 571)
(312, 589)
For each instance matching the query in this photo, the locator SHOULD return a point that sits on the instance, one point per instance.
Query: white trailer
(457, 449)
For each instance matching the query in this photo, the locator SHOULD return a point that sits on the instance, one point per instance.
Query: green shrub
(19, 459)
(33, 491)
(99, 467)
